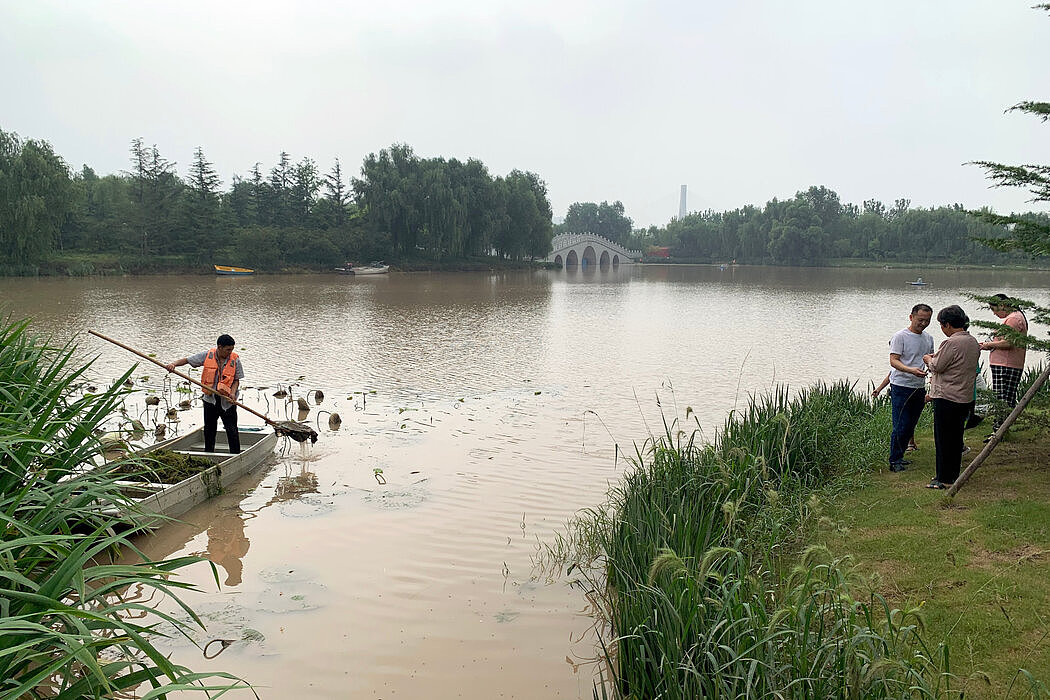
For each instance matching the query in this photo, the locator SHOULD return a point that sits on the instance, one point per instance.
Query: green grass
(702, 564)
(978, 566)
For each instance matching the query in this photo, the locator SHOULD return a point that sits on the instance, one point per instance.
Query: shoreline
(109, 266)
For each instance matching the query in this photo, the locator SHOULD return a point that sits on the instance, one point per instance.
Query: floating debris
(280, 394)
(185, 403)
(300, 432)
(334, 421)
(112, 441)
(318, 395)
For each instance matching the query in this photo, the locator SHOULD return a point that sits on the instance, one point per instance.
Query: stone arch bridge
(571, 250)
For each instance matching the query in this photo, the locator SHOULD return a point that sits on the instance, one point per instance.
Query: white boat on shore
(375, 268)
(172, 500)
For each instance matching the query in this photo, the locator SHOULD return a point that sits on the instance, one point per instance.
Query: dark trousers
(949, 420)
(906, 405)
(212, 414)
(1004, 382)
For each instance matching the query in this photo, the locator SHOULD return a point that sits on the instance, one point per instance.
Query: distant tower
(681, 205)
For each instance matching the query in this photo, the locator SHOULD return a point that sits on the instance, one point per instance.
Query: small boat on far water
(918, 283)
(375, 268)
(227, 270)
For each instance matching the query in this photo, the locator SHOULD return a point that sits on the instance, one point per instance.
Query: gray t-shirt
(198, 360)
(911, 347)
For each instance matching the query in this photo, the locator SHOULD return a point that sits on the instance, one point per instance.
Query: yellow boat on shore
(227, 270)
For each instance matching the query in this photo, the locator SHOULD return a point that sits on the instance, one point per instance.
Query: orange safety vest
(211, 368)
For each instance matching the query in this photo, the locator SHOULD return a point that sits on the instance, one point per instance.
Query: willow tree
(35, 196)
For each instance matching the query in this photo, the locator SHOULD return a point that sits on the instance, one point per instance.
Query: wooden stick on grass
(979, 459)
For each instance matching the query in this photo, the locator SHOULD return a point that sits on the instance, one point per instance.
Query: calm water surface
(493, 404)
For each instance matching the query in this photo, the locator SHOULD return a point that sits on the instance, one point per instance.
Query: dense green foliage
(73, 624)
(695, 561)
(434, 210)
(606, 220)
(401, 207)
(815, 227)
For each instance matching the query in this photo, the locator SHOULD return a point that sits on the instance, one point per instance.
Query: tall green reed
(68, 628)
(691, 560)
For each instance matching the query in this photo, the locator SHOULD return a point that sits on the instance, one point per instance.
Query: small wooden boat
(172, 500)
(376, 268)
(227, 270)
(918, 283)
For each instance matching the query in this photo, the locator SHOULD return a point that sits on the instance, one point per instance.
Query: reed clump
(698, 564)
(73, 623)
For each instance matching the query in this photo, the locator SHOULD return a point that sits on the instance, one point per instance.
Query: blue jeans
(907, 404)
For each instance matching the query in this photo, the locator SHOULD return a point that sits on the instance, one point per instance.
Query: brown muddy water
(493, 404)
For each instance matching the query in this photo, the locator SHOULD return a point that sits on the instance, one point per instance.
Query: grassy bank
(110, 264)
(704, 567)
(978, 566)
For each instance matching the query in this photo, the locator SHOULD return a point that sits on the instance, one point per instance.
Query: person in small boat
(222, 373)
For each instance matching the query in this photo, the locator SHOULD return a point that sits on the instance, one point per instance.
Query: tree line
(815, 227)
(150, 217)
(417, 210)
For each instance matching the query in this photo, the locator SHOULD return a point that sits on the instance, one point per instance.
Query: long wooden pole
(157, 362)
(979, 459)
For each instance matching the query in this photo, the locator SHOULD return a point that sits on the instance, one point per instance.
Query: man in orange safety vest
(222, 373)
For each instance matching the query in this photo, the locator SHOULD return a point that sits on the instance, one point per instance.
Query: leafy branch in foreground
(1025, 232)
(72, 622)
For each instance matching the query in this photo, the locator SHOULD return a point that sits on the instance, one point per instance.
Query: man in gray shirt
(222, 374)
(908, 380)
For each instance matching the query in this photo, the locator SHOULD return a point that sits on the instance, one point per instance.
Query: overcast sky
(612, 100)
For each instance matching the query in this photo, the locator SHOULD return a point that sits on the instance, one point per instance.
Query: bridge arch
(589, 257)
(603, 261)
(616, 261)
(558, 261)
(571, 260)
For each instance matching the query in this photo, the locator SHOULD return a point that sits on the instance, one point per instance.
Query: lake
(496, 405)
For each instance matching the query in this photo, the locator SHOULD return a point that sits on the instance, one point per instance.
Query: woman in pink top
(1007, 360)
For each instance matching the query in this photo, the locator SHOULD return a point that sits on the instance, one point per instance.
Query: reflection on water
(291, 486)
(492, 405)
(227, 543)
